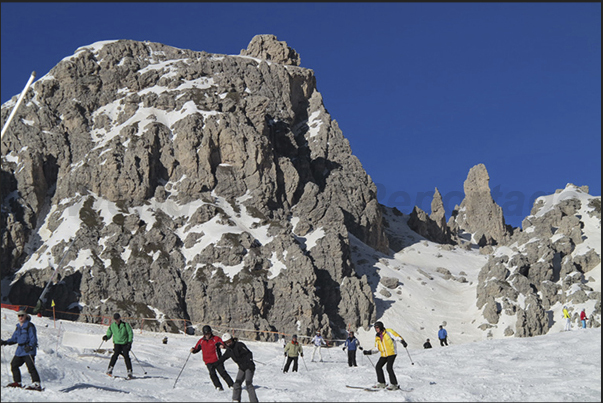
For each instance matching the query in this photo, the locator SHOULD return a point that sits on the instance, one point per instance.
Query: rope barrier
(106, 321)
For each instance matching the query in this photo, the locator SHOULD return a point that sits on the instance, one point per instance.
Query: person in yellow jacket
(385, 343)
(568, 319)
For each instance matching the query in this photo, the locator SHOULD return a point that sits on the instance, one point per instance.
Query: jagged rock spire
(268, 47)
(478, 214)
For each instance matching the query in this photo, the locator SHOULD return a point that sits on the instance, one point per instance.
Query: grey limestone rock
(478, 214)
(152, 144)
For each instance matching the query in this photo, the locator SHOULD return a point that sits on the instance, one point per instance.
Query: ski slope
(560, 366)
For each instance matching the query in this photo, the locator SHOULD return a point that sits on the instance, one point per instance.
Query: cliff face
(547, 263)
(189, 181)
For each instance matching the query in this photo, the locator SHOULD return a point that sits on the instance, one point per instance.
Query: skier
(583, 318)
(292, 351)
(240, 354)
(385, 343)
(25, 335)
(318, 343)
(443, 336)
(427, 344)
(351, 344)
(567, 317)
(209, 346)
(122, 343)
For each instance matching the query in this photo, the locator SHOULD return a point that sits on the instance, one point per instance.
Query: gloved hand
(2, 342)
(128, 347)
(360, 348)
(302, 354)
(105, 338)
(27, 348)
(367, 352)
(285, 354)
(403, 343)
(193, 350)
(344, 349)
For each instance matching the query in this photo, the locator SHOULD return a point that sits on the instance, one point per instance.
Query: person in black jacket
(240, 354)
(427, 344)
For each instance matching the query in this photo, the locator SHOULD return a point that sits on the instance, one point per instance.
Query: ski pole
(96, 351)
(283, 366)
(409, 356)
(145, 372)
(189, 354)
(304, 361)
(367, 357)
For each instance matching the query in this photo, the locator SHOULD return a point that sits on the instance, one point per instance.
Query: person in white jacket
(318, 342)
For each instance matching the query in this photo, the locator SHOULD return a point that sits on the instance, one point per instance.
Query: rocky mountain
(551, 262)
(172, 184)
(531, 272)
(133, 147)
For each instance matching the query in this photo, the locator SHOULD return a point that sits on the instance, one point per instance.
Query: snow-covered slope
(426, 296)
(437, 283)
(562, 366)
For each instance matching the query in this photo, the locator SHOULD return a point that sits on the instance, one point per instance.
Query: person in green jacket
(122, 343)
(292, 351)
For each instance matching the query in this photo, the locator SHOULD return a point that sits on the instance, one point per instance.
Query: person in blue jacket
(351, 344)
(443, 336)
(26, 337)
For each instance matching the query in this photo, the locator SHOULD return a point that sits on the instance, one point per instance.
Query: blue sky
(423, 91)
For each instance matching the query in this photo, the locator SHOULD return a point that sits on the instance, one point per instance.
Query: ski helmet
(206, 329)
(226, 337)
(379, 325)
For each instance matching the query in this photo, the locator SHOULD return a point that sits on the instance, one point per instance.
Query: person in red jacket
(209, 345)
(583, 318)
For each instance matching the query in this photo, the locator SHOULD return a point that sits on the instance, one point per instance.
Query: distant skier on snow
(122, 343)
(385, 343)
(209, 345)
(25, 335)
(240, 354)
(443, 336)
(568, 319)
(583, 318)
(351, 344)
(427, 344)
(292, 351)
(318, 342)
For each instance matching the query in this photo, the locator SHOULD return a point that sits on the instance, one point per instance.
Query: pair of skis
(31, 387)
(371, 389)
(127, 378)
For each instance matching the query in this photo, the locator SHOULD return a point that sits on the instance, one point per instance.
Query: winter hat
(294, 336)
(226, 337)
(206, 329)
(22, 312)
(116, 316)
(379, 325)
